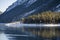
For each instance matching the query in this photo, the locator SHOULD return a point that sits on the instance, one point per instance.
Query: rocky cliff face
(28, 7)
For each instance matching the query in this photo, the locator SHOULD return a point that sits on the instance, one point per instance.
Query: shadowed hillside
(28, 7)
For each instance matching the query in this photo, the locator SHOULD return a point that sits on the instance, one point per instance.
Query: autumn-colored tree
(44, 17)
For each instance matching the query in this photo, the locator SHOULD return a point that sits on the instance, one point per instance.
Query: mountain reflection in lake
(30, 33)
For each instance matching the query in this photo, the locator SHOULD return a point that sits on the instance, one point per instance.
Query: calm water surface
(19, 34)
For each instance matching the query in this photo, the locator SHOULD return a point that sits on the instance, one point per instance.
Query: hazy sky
(5, 3)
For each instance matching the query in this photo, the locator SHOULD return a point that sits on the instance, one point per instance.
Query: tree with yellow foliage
(44, 17)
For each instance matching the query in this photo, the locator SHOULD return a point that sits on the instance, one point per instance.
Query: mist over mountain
(24, 8)
(0, 12)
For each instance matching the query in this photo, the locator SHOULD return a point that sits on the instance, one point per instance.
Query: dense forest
(44, 17)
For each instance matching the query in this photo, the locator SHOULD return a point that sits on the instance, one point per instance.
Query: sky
(4, 4)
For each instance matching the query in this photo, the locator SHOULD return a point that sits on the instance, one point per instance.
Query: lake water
(11, 33)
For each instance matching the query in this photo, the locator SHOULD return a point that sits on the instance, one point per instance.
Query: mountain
(24, 8)
(0, 12)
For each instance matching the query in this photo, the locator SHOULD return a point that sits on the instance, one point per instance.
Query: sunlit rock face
(24, 8)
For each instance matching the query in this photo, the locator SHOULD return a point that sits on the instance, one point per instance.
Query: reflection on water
(15, 37)
(3, 36)
(31, 33)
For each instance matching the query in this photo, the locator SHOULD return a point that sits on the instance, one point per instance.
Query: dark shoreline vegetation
(47, 17)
